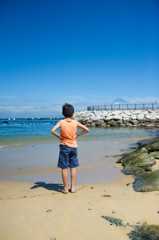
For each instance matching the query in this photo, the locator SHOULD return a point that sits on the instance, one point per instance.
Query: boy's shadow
(48, 186)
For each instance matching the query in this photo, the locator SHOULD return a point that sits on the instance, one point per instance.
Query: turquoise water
(20, 132)
(29, 152)
(24, 129)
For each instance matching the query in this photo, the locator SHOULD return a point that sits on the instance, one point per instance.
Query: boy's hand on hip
(61, 138)
(75, 136)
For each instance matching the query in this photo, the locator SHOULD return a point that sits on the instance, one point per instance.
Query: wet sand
(38, 162)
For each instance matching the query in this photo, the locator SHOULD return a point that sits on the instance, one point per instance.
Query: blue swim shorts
(67, 157)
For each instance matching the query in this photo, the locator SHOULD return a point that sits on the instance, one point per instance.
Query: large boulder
(140, 116)
(143, 143)
(134, 122)
(133, 117)
(96, 118)
(153, 147)
(89, 114)
(113, 123)
(150, 125)
(78, 118)
(147, 182)
(137, 162)
(155, 154)
(123, 115)
(99, 123)
(148, 116)
(116, 117)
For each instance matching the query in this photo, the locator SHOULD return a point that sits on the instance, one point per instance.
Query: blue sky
(82, 52)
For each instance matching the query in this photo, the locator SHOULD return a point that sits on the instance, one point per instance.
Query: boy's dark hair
(67, 110)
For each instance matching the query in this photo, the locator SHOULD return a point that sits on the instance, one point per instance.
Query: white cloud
(18, 107)
(147, 99)
(8, 97)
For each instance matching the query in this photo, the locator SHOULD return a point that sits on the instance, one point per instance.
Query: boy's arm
(85, 129)
(53, 130)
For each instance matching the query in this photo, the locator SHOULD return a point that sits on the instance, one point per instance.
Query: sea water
(29, 152)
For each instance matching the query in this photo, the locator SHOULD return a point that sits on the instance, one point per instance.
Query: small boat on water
(5, 121)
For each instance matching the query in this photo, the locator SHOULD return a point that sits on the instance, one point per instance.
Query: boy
(68, 145)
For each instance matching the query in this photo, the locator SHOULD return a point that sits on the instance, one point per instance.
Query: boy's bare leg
(73, 178)
(65, 179)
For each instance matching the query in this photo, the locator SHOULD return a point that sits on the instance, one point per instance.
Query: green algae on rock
(137, 162)
(145, 232)
(147, 182)
(153, 147)
(115, 221)
(155, 154)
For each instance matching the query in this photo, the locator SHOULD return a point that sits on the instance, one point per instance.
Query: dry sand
(40, 212)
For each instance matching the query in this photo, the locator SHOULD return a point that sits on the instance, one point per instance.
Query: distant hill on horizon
(119, 101)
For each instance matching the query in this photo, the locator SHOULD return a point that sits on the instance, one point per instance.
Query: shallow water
(31, 154)
(21, 132)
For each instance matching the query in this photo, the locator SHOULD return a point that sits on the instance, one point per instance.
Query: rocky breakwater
(130, 118)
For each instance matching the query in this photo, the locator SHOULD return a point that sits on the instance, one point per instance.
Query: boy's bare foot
(72, 189)
(64, 190)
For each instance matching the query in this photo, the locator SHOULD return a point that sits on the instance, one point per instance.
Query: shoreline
(95, 166)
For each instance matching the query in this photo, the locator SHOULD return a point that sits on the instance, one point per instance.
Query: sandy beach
(38, 211)
(31, 207)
